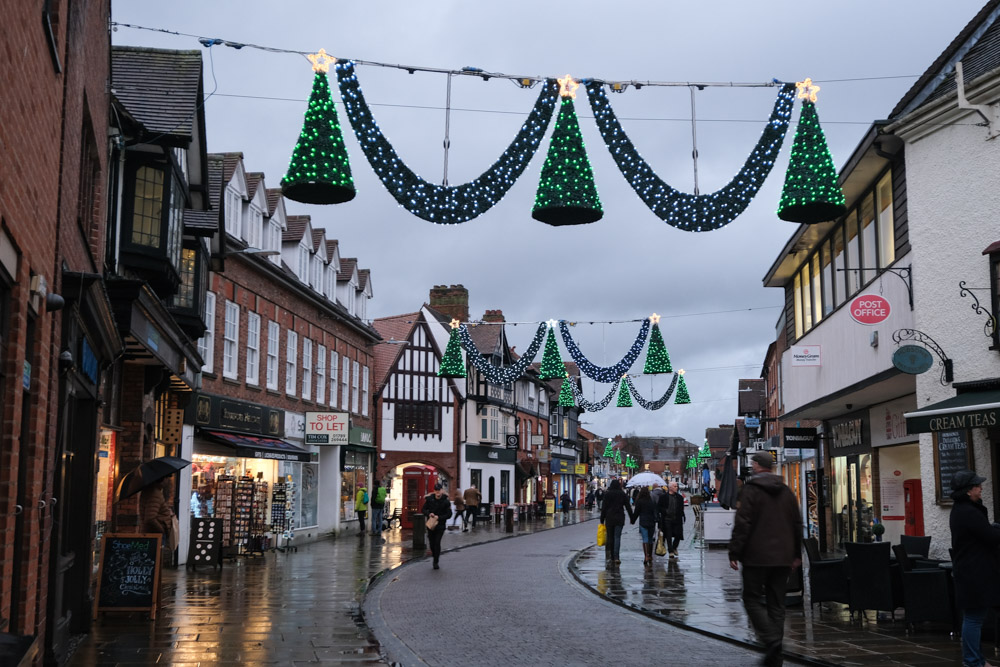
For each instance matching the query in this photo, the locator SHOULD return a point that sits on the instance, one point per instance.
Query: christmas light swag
(566, 393)
(658, 403)
(657, 358)
(439, 203)
(566, 191)
(596, 406)
(606, 374)
(319, 172)
(497, 374)
(683, 397)
(452, 365)
(811, 193)
(624, 400)
(693, 213)
(552, 366)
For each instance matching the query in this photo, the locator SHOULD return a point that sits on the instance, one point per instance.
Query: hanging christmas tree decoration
(657, 358)
(689, 212)
(624, 400)
(498, 374)
(658, 403)
(682, 391)
(320, 172)
(610, 373)
(566, 392)
(552, 366)
(811, 193)
(440, 203)
(609, 451)
(566, 192)
(452, 365)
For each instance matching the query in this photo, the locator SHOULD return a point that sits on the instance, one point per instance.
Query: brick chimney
(493, 316)
(452, 300)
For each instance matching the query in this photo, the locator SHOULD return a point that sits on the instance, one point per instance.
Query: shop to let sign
(327, 428)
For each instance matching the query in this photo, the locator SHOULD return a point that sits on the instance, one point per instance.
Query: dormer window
(255, 228)
(317, 274)
(274, 239)
(303, 269)
(234, 207)
(331, 282)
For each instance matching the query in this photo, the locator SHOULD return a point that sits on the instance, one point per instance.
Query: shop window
(307, 360)
(424, 418)
(231, 340)
(291, 360)
(344, 379)
(321, 375)
(334, 357)
(206, 344)
(273, 342)
(253, 348)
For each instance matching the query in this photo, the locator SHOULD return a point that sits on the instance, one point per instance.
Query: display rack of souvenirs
(258, 541)
(283, 514)
(225, 487)
(242, 506)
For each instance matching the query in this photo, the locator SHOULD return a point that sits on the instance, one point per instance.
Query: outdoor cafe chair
(916, 545)
(928, 594)
(875, 580)
(827, 577)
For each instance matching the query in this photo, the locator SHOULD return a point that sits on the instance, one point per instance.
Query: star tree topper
(454, 324)
(567, 87)
(807, 90)
(654, 319)
(321, 61)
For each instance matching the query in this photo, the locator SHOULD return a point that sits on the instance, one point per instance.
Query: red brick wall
(44, 115)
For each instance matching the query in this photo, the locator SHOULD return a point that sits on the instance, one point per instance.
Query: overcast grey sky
(717, 318)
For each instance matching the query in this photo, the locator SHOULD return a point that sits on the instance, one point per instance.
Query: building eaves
(160, 88)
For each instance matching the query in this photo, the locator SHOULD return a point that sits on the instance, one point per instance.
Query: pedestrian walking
(616, 505)
(361, 507)
(588, 500)
(472, 498)
(671, 506)
(599, 497)
(436, 507)
(566, 502)
(645, 512)
(378, 508)
(767, 539)
(976, 561)
(459, 502)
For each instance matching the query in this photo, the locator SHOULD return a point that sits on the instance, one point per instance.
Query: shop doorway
(418, 481)
(853, 495)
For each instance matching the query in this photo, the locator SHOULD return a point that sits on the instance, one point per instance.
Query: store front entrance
(852, 494)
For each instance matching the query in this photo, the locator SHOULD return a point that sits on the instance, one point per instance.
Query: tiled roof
(319, 235)
(751, 396)
(229, 163)
(160, 88)
(205, 223)
(296, 228)
(331, 248)
(363, 276)
(347, 267)
(977, 46)
(254, 178)
(273, 197)
(719, 438)
(398, 327)
(486, 337)
(215, 171)
(438, 315)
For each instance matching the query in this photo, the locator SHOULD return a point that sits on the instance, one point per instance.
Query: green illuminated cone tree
(624, 398)
(566, 399)
(552, 367)
(618, 456)
(682, 397)
(566, 191)
(811, 193)
(320, 172)
(452, 365)
(657, 358)
(609, 451)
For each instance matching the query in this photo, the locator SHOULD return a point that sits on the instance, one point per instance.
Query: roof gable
(295, 228)
(161, 89)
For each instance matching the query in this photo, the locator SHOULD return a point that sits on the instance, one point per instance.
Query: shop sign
(799, 437)
(485, 454)
(870, 309)
(326, 428)
(561, 467)
(805, 355)
(912, 359)
(362, 436)
(226, 413)
(752, 422)
(580, 469)
(544, 454)
(888, 422)
(538, 440)
(850, 435)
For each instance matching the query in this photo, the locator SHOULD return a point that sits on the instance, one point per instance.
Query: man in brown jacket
(472, 498)
(767, 538)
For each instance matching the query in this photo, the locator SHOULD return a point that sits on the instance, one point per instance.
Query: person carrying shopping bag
(615, 506)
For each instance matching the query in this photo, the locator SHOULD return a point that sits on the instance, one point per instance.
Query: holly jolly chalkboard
(952, 452)
(129, 575)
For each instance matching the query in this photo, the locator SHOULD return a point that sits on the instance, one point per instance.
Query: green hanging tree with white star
(552, 366)
(452, 365)
(566, 399)
(657, 357)
(682, 397)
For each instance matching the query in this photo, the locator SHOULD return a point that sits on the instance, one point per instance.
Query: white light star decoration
(321, 61)
(807, 90)
(567, 87)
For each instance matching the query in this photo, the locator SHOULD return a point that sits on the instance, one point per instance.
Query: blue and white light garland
(439, 203)
(595, 406)
(505, 374)
(602, 373)
(693, 213)
(658, 403)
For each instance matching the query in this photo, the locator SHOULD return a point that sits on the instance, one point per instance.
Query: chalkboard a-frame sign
(128, 578)
(952, 452)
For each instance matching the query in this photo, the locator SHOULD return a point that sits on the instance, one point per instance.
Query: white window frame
(334, 377)
(364, 391)
(274, 240)
(234, 211)
(273, 345)
(255, 227)
(304, 263)
(253, 349)
(345, 371)
(206, 344)
(307, 360)
(231, 341)
(320, 374)
(291, 359)
(355, 379)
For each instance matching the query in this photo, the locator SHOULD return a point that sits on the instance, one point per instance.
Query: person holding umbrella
(156, 512)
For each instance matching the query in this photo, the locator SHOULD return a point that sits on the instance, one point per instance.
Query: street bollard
(418, 532)
(510, 520)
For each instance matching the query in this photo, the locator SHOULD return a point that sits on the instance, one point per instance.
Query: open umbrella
(646, 479)
(147, 473)
(727, 489)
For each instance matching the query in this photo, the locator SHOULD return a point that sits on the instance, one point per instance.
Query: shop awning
(258, 447)
(974, 409)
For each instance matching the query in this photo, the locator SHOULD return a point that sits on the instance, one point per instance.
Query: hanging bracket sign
(912, 359)
(870, 309)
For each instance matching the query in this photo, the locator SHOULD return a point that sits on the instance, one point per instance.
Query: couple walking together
(667, 512)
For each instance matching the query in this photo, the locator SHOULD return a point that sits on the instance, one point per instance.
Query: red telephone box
(913, 505)
(418, 481)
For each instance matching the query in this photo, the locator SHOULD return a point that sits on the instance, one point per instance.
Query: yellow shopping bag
(602, 534)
